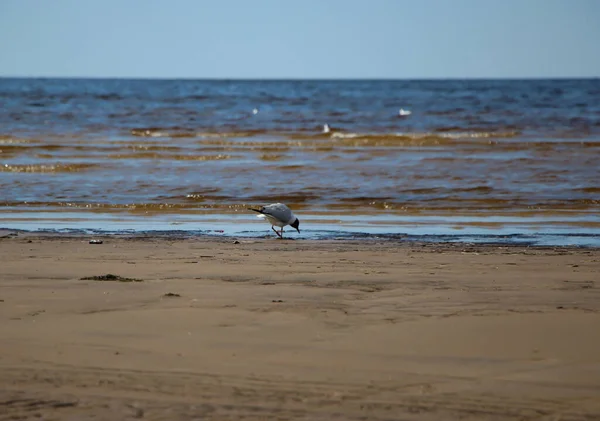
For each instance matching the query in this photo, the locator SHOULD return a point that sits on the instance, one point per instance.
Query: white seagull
(279, 215)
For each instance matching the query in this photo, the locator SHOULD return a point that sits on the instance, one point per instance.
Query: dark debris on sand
(110, 277)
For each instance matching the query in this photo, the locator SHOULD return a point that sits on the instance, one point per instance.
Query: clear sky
(300, 39)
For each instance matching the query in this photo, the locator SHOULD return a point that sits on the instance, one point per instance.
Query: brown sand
(310, 330)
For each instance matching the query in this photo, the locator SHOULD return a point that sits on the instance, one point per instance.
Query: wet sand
(268, 329)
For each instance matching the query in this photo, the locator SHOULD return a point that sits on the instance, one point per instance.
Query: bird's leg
(276, 232)
(282, 233)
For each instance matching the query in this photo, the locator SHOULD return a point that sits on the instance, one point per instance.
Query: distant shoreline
(295, 79)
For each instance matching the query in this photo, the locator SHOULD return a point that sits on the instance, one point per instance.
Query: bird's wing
(278, 211)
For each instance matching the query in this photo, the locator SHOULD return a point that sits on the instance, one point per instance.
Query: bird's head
(296, 224)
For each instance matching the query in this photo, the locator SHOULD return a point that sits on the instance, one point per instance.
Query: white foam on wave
(12, 141)
(457, 135)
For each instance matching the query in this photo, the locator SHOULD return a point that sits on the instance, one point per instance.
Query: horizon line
(291, 79)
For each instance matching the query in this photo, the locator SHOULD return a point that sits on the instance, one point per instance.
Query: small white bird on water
(279, 215)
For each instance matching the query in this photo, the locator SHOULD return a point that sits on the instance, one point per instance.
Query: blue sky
(300, 39)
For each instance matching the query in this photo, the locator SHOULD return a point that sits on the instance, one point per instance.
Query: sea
(497, 161)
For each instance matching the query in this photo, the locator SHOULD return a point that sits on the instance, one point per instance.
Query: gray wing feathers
(280, 212)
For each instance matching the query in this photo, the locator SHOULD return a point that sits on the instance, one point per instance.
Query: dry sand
(269, 329)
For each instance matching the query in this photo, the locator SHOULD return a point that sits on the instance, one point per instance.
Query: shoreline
(256, 328)
(589, 241)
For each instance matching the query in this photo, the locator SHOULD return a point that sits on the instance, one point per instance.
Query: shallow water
(473, 157)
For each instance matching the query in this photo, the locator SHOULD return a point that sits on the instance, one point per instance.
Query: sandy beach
(209, 328)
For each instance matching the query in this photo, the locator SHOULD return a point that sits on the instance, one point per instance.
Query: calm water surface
(473, 158)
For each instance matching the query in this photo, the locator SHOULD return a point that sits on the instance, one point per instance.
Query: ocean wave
(187, 132)
(46, 168)
(175, 157)
(444, 135)
(316, 204)
(162, 132)
(316, 131)
(24, 147)
(10, 140)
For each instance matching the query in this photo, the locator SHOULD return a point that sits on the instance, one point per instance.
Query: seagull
(404, 112)
(326, 128)
(279, 215)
